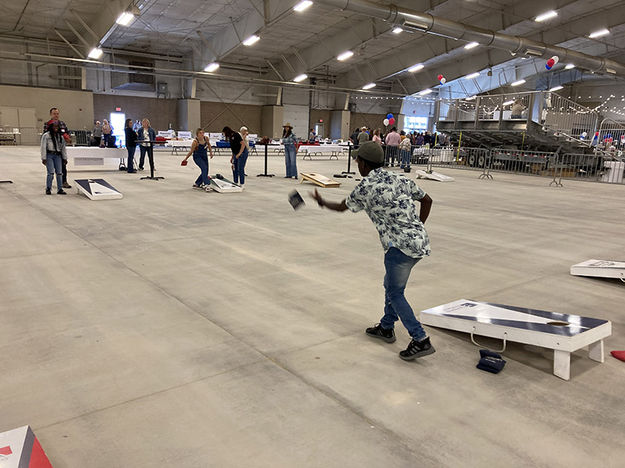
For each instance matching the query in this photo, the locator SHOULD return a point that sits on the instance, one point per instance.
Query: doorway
(117, 121)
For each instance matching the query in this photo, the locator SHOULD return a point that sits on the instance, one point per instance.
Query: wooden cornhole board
(421, 174)
(560, 332)
(222, 185)
(600, 269)
(20, 448)
(319, 179)
(97, 189)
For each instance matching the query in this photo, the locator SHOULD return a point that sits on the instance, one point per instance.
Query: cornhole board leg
(563, 333)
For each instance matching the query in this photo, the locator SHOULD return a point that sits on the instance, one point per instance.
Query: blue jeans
(202, 163)
(54, 163)
(131, 154)
(290, 159)
(405, 158)
(398, 266)
(238, 171)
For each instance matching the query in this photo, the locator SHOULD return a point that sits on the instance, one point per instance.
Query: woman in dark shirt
(236, 146)
(131, 144)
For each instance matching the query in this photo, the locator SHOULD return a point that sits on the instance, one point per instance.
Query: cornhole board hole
(97, 189)
(600, 269)
(222, 185)
(319, 179)
(19, 448)
(560, 332)
(421, 174)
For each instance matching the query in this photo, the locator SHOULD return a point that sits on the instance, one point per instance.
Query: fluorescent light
(569, 66)
(601, 32)
(507, 103)
(95, 53)
(397, 30)
(517, 83)
(369, 86)
(301, 77)
(416, 68)
(471, 45)
(425, 92)
(301, 6)
(472, 75)
(556, 88)
(253, 39)
(345, 55)
(125, 18)
(211, 67)
(471, 98)
(545, 16)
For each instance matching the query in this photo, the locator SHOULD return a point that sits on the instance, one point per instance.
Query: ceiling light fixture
(470, 98)
(556, 88)
(397, 30)
(545, 16)
(416, 68)
(301, 6)
(345, 55)
(253, 39)
(369, 86)
(95, 53)
(569, 66)
(211, 67)
(425, 92)
(600, 33)
(125, 18)
(301, 77)
(472, 75)
(471, 45)
(517, 83)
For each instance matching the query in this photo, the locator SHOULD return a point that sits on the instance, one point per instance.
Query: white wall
(297, 116)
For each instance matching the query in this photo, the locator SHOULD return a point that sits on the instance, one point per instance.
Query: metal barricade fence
(588, 167)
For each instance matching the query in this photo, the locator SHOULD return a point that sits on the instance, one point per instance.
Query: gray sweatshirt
(47, 146)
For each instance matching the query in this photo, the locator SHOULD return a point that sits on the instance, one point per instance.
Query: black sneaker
(48, 191)
(381, 333)
(417, 349)
(66, 185)
(61, 192)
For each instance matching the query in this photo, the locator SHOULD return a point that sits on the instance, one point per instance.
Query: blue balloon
(389, 116)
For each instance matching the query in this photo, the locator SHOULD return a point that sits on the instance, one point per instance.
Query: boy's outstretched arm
(331, 205)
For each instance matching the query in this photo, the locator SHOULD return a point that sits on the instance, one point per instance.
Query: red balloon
(440, 77)
(391, 121)
(551, 62)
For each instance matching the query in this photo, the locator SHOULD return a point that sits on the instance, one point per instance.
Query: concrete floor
(183, 329)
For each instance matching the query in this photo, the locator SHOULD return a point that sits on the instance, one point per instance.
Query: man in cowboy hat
(289, 140)
(388, 199)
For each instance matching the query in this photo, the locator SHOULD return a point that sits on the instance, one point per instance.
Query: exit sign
(118, 109)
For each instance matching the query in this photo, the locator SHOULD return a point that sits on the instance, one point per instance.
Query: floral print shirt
(388, 200)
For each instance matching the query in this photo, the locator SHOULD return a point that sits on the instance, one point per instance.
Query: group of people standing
(144, 137)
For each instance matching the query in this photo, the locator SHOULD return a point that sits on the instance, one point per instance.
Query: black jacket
(131, 137)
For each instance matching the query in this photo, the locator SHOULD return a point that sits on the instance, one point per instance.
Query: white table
(333, 150)
(176, 145)
(87, 158)
(561, 332)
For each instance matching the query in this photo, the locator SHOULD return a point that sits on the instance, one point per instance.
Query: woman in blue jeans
(53, 153)
(237, 146)
(289, 140)
(199, 149)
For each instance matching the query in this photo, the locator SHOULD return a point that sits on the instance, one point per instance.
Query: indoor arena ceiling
(199, 32)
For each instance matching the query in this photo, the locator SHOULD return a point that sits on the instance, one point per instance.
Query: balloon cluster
(552, 62)
(389, 120)
(441, 79)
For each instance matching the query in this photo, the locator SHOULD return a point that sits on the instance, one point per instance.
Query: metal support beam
(80, 54)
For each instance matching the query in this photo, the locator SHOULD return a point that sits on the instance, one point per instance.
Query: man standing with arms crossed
(388, 199)
(54, 117)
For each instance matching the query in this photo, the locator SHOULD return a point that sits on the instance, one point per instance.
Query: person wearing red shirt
(54, 117)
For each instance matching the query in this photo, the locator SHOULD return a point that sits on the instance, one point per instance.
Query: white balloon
(386, 122)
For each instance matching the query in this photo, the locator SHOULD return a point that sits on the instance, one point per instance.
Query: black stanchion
(6, 181)
(150, 152)
(265, 173)
(347, 174)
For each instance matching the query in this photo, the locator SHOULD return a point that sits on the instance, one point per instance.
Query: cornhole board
(421, 174)
(319, 179)
(19, 448)
(97, 189)
(600, 269)
(561, 332)
(224, 186)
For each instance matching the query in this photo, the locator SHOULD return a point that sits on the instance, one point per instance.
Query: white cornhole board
(97, 189)
(19, 448)
(560, 332)
(421, 174)
(600, 268)
(224, 186)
